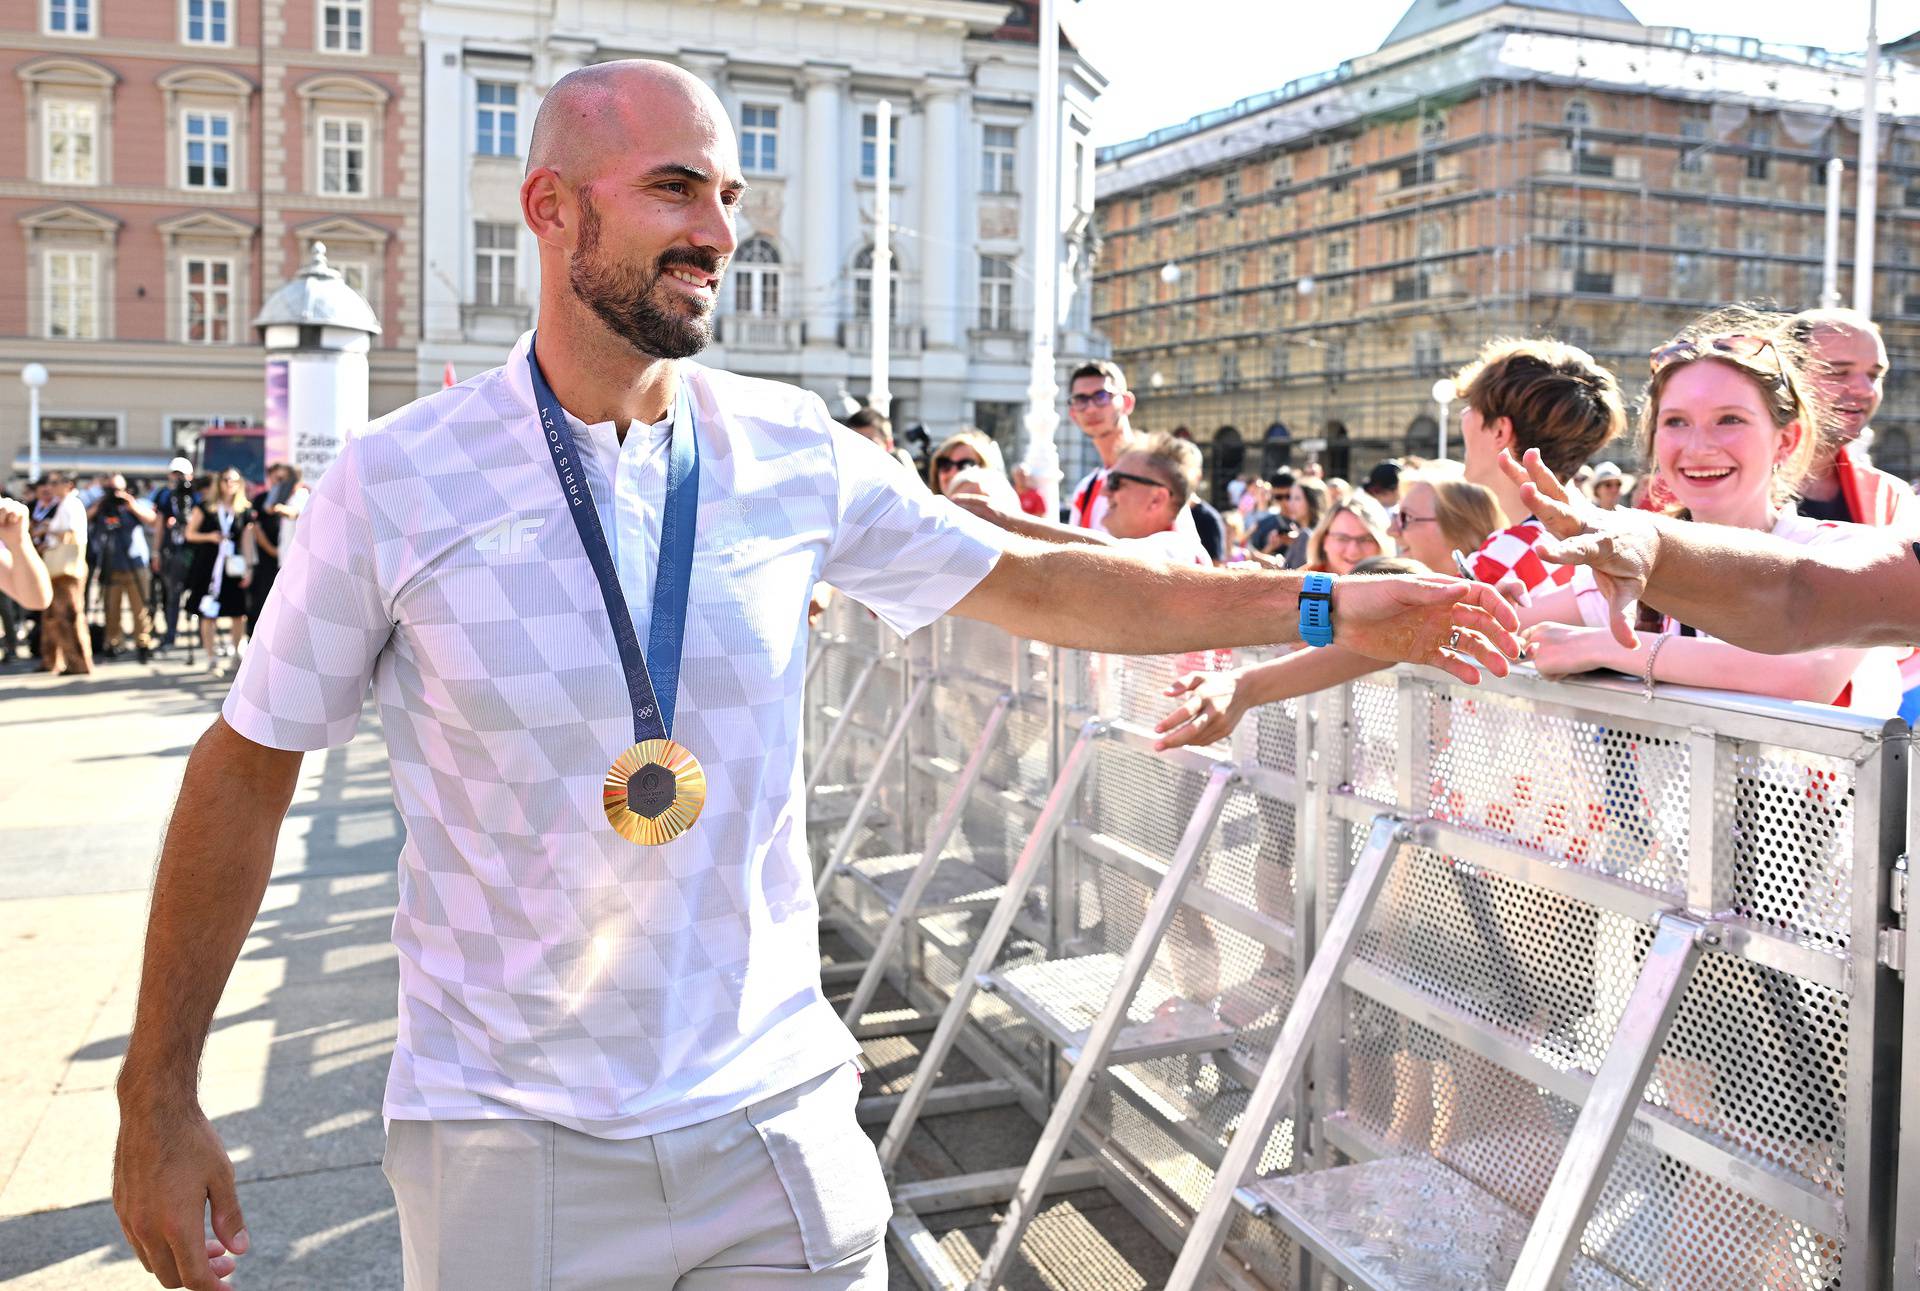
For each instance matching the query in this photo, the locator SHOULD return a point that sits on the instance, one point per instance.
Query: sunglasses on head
(1116, 478)
(1091, 399)
(1735, 346)
(953, 463)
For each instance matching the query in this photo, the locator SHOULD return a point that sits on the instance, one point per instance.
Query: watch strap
(1316, 610)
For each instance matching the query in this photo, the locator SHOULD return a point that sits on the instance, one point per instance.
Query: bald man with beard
(615, 1067)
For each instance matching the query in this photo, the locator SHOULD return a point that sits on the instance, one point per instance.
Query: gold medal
(654, 792)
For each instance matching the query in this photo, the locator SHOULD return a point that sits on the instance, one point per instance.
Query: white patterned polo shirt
(549, 969)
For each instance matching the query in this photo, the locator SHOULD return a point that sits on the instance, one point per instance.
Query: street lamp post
(1043, 388)
(1864, 203)
(1830, 258)
(1443, 396)
(33, 376)
(879, 393)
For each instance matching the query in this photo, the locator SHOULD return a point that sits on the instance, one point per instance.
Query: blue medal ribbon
(651, 691)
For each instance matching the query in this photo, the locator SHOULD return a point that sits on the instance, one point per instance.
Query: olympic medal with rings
(654, 791)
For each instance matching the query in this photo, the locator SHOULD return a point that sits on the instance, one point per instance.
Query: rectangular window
(1340, 156)
(69, 17)
(343, 26)
(353, 273)
(1759, 160)
(1230, 289)
(997, 153)
(1339, 255)
(209, 301)
(207, 22)
(493, 264)
(1230, 368)
(69, 142)
(1188, 199)
(80, 432)
(869, 135)
(208, 140)
(496, 119)
(343, 157)
(73, 295)
(1282, 265)
(996, 294)
(759, 138)
(1282, 172)
(1146, 210)
(1230, 189)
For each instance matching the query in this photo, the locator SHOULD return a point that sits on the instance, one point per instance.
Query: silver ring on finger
(1453, 639)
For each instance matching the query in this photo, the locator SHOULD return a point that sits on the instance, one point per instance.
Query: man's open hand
(1619, 546)
(1440, 622)
(168, 1168)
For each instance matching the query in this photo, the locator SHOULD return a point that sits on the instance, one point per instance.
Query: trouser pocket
(826, 1164)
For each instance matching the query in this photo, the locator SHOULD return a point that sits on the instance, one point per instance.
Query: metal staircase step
(1063, 997)
(956, 884)
(1407, 1224)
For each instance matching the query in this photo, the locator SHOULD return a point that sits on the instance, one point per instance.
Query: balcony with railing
(903, 338)
(759, 332)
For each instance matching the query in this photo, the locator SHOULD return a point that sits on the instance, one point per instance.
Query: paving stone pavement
(298, 1056)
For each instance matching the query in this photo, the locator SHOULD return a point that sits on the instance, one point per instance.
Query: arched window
(863, 287)
(756, 279)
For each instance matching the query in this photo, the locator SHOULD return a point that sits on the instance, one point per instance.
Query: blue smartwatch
(1316, 610)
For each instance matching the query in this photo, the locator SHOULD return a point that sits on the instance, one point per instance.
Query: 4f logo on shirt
(510, 537)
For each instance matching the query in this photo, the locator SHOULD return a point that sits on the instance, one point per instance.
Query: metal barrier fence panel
(1495, 970)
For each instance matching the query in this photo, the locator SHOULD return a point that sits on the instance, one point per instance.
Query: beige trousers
(784, 1195)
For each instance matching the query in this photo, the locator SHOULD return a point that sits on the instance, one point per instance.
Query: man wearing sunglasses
(1148, 490)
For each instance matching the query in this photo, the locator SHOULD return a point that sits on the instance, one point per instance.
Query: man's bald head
(596, 113)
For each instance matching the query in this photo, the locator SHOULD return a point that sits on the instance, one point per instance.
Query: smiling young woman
(1730, 422)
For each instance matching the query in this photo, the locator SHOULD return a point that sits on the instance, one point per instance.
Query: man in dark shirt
(172, 502)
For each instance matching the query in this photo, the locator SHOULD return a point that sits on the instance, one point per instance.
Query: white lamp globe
(1443, 391)
(34, 375)
(1169, 273)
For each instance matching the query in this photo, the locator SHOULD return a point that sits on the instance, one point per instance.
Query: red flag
(449, 379)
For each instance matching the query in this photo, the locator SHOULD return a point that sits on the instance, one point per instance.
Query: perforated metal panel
(1484, 996)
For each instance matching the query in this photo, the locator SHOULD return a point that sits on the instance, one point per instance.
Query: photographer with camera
(118, 522)
(172, 504)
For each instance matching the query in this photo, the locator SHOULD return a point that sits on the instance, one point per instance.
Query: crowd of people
(124, 564)
(1750, 420)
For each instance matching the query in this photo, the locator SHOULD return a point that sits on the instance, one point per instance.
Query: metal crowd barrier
(1409, 984)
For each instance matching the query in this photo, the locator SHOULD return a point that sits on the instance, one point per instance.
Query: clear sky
(1169, 59)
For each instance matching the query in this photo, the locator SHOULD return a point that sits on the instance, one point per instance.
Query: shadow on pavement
(302, 1118)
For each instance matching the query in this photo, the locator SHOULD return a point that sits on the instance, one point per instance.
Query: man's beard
(622, 296)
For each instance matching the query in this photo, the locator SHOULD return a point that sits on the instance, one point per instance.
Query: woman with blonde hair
(1441, 515)
(1351, 531)
(215, 590)
(968, 465)
(958, 452)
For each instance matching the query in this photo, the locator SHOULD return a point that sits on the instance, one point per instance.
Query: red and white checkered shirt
(1510, 561)
(1511, 556)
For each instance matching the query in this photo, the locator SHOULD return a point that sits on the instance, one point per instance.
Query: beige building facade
(165, 165)
(1288, 278)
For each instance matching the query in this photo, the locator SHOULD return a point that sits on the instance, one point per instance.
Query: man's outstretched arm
(1099, 598)
(1752, 590)
(169, 1164)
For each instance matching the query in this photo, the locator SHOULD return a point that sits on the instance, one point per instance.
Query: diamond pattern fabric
(548, 968)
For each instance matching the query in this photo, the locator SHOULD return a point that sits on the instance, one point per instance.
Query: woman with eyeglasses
(1352, 531)
(1440, 516)
(1729, 423)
